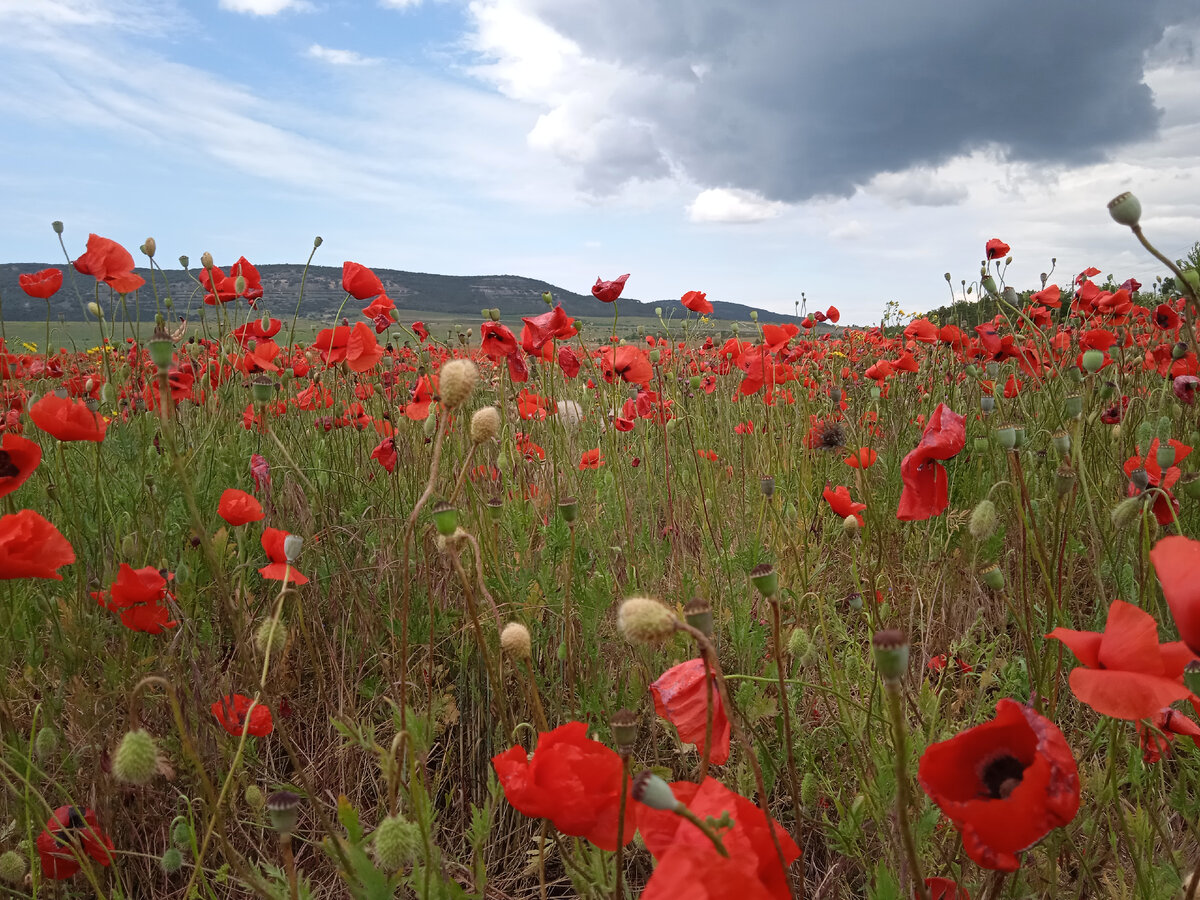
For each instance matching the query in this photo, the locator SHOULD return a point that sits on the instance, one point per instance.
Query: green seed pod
(1006, 436)
(397, 843)
(993, 577)
(765, 579)
(1073, 406)
(135, 760)
(654, 792)
(1062, 442)
(1125, 209)
(983, 520)
(1093, 360)
(890, 648)
(698, 613)
(171, 861)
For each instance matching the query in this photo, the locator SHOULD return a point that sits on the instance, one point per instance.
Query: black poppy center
(832, 436)
(1001, 776)
(8, 468)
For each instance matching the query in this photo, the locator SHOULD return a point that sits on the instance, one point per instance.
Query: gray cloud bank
(794, 100)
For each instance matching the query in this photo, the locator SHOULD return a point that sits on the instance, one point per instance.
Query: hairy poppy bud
(183, 261)
(95, 309)
(891, 654)
(12, 867)
(397, 842)
(515, 641)
(485, 424)
(318, 241)
(149, 247)
(1126, 511)
(800, 646)
(182, 834)
(988, 283)
(1125, 209)
(655, 793)
(947, 277)
(983, 520)
(171, 861)
(206, 260)
(57, 226)
(645, 621)
(136, 758)
(292, 544)
(46, 743)
(808, 789)
(271, 637)
(850, 526)
(254, 798)
(456, 382)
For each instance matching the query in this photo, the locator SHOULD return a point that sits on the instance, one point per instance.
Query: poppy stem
(784, 707)
(900, 750)
(708, 716)
(618, 894)
(683, 812)
(735, 724)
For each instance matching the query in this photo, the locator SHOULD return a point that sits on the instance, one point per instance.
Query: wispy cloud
(340, 57)
(262, 7)
(729, 206)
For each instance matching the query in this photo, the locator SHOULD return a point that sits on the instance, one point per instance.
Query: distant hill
(449, 296)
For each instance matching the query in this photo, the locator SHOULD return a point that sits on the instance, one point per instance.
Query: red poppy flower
(272, 543)
(531, 406)
(863, 458)
(1048, 296)
(1126, 673)
(30, 547)
(839, 501)
(1154, 481)
(239, 508)
(331, 343)
(591, 459)
(417, 408)
(260, 471)
(1156, 737)
(19, 457)
(41, 285)
(1185, 388)
(69, 833)
(231, 712)
(139, 595)
(1115, 413)
(498, 341)
(360, 282)
(697, 302)
(926, 487)
(362, 349)
(833, 314)
(383, 305)
(547, 327)
(571, 780)
(107, 261)
(631, 364)
(945, 889)
(681, 697)
(996, 249)
(690, 866)
(568, 361)
(921, 330)
(1004, 784)
(385, 454)
(1176, 561)
(608, 291)
(67, 420)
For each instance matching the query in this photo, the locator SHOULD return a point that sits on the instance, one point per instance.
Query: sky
(752, 149)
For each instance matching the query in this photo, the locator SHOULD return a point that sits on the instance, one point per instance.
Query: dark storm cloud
(795, 99)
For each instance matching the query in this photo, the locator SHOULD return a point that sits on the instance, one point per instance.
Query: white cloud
(730, 206)
(399, 4)
(339, 57)
(849, 230)
(261, 7)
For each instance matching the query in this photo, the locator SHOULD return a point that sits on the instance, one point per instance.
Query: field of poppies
(528, 610)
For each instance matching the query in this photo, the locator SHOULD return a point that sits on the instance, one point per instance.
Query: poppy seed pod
(456, 381)
(765, 579)
(1125, 209)
(445, 518)
(987, 403)
(57, 226)
(261, 389)
(1006, 436)
(624, 729)
(1093, 360)
(1062, 442)
(515, 641)
(1191, 676)
(1073, 406)
(485, 424)
(292, 544)
(890, 648)
(767, 485)
(568, 508)
(136, 758)
(993, 577)
(653, 792)
(495, 507)
(1064, 480)
(645, 621)
(698, 613)
(284, 809)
